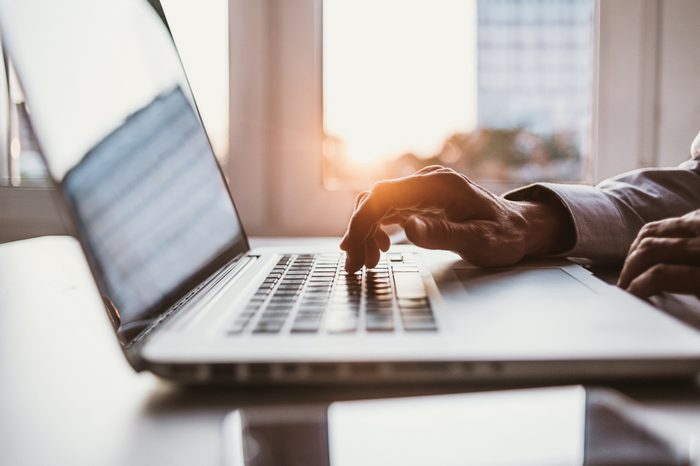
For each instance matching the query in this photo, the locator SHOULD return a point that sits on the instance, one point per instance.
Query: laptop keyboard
(311, 293)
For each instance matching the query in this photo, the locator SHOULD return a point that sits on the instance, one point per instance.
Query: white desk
(67, 395)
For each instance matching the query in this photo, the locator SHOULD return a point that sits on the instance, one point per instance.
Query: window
(20, 158)
(498, 89)
(284, 170)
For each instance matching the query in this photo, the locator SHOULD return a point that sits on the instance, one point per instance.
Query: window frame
(276, 129)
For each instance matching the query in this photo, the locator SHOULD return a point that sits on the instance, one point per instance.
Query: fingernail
(348, 265)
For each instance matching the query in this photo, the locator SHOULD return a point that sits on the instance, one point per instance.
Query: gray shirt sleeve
(607, 217)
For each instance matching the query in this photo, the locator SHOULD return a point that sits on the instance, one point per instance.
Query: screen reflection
(148, 207)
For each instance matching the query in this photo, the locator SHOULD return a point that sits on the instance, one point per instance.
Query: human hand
(665, 256)
(442, 209)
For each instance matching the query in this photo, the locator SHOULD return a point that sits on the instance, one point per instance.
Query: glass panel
(498, 89)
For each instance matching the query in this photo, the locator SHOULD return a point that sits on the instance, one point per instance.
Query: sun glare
(399, 75)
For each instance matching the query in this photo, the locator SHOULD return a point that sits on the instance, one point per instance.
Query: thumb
(434, 233)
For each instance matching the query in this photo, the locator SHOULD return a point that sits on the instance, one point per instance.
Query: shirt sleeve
(607, 217)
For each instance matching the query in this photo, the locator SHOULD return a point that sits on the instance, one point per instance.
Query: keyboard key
(340, 309)
(247, 312)
(413, 303)
(305, 324)
(379, 279)
(372, 292)
(292, 281)
(285, 293)
(381, 288)
(382, 305)
(375, 298)
(416, 313)
(409, 285)
(405, 268)
(321, 280)
(310, 298)
(379, 323)
(281, 301)
(273, 326)
(419, 324)
(344, 324)
(313, 304)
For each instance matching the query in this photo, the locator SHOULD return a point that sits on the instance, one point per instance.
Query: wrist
(549, 229)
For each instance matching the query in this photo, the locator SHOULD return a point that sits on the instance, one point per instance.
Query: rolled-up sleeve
(608, 217)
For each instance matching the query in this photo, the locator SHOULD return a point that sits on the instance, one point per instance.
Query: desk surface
(67, 395)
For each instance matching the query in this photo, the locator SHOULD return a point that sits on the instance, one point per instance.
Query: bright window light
(398, 74)
(498, 89)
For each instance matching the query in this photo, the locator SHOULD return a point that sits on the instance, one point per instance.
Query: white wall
(678, 104)
(648, 102)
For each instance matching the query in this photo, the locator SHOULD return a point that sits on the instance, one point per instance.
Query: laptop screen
(121, 135)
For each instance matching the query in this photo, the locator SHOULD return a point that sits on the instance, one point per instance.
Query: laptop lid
(122, 138)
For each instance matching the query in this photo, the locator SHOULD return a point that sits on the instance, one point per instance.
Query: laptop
(190, 301)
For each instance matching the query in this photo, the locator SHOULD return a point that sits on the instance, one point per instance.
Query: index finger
(678, 227)
(402, 193)
(412, 192)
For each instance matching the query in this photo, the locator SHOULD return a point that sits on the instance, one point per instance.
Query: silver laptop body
(190, 301)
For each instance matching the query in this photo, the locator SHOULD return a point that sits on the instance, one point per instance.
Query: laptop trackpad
(521, 283)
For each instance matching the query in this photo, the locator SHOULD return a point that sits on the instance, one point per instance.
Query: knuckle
(648, 230)
(378, 194)
(359, 198)
(430, 168)
(647, 244)
(657, 272)
(451, 179)
(681, 243)
(379, 187)
(694, 224)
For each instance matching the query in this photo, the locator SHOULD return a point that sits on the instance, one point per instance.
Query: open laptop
(190, 301)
